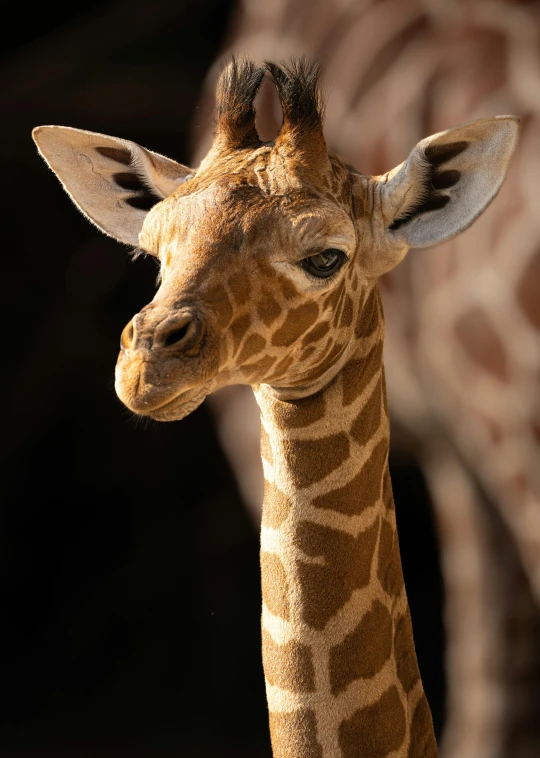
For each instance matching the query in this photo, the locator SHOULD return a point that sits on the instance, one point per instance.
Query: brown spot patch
(283, 365)
(337, 311)
(288, 288)
(370, 317)
(354, 282)
(405, 655)
(332, 300)
(312, 460)
(297, 322)
(298, 414)
(331, 358)
(238, 329)
(288, 666)
(358, 203)
(253, 345)
(369, 419)
(528, 294)
(268, 309)
(258, 370)
(294, 735)
(482, 343)
(334, 354)
(307, 352)
(317, 333)
(276, 506)
(363, 490)
(240, 289)
(423, 743)
(275, 587)
(376, 730)
(345, 193)
(327, 588)
(389, 570)
(357, 375)
(219, 300)
(347, 313)
(341, 292)
(364, 651)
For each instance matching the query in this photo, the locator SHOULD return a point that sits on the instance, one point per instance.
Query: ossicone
(237, 87)
(299, 93)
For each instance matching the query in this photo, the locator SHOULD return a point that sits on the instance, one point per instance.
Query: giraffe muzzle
(164, 361)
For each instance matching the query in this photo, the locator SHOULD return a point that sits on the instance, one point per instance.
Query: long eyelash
(136, 253)
(327, 280)
(322, 250)
(315, 279)
(333, 277)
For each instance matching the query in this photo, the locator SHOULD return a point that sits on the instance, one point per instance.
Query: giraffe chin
(177, 408)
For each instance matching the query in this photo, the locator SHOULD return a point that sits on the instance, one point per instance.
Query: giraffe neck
(342, 678)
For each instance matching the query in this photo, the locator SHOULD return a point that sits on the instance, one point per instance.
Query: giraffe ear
(447, 181)
(114, 182)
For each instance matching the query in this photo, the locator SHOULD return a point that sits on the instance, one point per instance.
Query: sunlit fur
(235, 305)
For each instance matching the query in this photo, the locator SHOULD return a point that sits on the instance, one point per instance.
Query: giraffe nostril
(126, 338)
(181, 332)
(177, 335)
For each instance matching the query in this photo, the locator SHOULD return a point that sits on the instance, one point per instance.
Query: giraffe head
(269, 252)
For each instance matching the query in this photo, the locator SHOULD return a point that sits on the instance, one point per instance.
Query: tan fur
(342, 677)
(395, 71)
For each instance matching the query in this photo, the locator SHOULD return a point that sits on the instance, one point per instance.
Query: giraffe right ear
(114, 182)
(447, 181)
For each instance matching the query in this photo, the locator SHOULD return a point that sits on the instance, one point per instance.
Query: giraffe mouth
(159, 390)
(178, 407)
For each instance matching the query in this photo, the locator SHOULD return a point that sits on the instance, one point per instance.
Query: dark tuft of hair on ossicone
(298, 89)
(237, 86)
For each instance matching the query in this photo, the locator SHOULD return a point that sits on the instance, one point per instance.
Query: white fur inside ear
(113, 182)
(448, 180)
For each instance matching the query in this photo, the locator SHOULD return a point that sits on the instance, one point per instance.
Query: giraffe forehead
(232, 216)
(218, 215)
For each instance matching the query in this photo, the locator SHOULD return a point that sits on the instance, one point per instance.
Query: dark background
(129, 574)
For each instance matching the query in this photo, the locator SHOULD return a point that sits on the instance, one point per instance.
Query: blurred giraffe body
(270, 258)
(462, 347)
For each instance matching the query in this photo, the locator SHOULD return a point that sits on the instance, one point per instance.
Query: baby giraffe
(270, 254)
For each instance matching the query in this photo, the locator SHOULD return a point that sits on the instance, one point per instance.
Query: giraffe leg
(475, 703)
(491, 621)
(522, 665)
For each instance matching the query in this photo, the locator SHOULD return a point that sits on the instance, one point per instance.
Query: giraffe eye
(323, 265)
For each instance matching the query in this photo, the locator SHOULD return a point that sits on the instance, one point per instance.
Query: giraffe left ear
(447, 181)
(113, 181)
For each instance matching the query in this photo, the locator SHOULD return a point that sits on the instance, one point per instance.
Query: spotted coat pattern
(341, 672)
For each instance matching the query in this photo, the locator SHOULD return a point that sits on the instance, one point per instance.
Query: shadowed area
(130, 574)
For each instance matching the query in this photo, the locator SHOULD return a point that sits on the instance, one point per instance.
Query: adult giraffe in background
(463, 346)
(270, 258)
